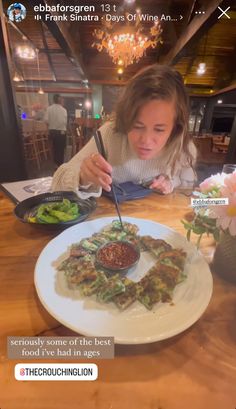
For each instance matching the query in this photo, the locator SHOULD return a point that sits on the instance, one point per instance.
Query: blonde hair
(158, 82)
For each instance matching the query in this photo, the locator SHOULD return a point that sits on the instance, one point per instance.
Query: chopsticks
(101, 150)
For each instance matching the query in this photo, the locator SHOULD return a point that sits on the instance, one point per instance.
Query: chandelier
(128, 44)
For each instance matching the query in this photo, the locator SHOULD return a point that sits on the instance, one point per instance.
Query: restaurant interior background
(42, 57)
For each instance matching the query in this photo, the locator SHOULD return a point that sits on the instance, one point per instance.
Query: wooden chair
(204, 148)
(220, 144)
(29, 143)
(41, 139)
(82, 130)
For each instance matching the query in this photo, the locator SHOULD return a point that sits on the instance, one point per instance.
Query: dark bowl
(28, 207)
(115, 252)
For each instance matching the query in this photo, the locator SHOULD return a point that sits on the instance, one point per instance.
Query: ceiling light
(120, 71)
(17, 77)
(219, 101)
(201, 68)
(26, 52)
(202, 65)
(86, 83)
(40, 91)
(88, 104)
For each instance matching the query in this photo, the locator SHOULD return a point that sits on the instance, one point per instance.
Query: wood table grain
(194, 370)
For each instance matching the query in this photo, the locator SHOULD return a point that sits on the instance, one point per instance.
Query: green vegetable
(32, 219)
(91, 288)
(113, 287)
(168, 262)
(201, 224)
(87, 245)
(56, 212)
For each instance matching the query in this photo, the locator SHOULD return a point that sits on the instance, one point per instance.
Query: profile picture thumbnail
(16, 12)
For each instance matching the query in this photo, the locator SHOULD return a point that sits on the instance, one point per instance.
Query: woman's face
(152, 128)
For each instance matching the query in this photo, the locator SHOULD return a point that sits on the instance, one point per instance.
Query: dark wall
(214, 110)
(110, 96)
(227, 97)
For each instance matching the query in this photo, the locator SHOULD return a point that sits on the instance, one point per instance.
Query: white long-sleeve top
(126, 166)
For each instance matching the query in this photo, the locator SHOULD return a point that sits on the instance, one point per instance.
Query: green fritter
(127, 297)
(112, 287)
(85, 271)
(89, 287)
(156, 246)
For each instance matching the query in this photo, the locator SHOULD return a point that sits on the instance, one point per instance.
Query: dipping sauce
(117, 255)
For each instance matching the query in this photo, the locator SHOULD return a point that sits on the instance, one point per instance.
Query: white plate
(136, 325)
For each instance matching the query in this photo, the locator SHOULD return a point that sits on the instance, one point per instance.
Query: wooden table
(196, 369)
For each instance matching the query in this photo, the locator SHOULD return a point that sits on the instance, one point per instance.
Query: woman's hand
(95, 169)
(163, 184)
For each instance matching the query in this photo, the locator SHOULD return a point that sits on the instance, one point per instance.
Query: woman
(148, 140)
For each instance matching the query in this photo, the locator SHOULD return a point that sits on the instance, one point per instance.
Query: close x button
(223, 12)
